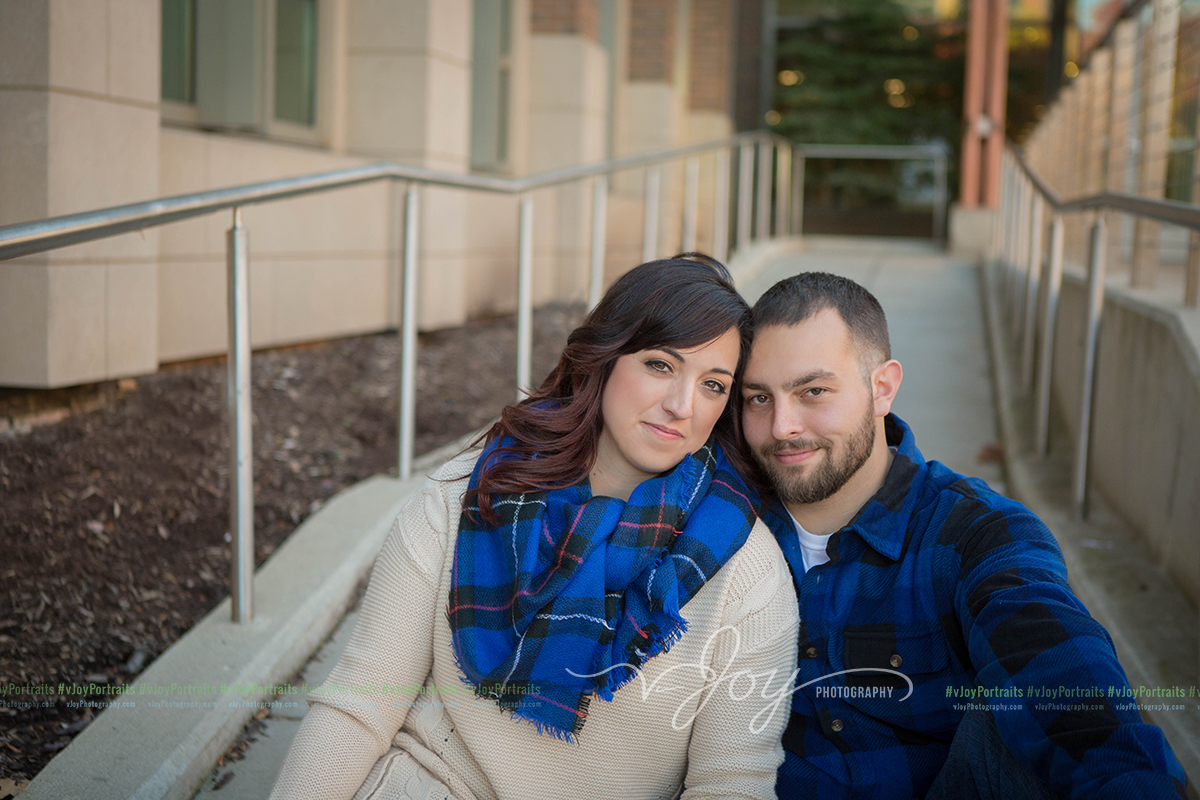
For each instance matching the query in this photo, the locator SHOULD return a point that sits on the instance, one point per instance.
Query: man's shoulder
(955, 509)
(924, 487)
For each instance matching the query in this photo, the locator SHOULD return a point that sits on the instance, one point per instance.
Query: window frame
(265, 125)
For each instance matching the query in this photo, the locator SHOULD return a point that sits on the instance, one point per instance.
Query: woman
(523, 632)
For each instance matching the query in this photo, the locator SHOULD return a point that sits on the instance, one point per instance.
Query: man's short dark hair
(793, 300)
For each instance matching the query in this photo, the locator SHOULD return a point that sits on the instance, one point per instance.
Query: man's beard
(825, 479)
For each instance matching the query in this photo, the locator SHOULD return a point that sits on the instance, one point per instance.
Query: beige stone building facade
(106, 102)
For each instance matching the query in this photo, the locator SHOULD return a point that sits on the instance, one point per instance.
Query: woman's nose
(678, 402)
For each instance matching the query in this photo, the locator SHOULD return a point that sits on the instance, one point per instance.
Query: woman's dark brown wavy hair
(680, 302)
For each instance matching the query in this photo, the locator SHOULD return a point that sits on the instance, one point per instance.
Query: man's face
(808, 413)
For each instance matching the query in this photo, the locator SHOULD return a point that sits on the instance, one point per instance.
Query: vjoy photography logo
(744, 685)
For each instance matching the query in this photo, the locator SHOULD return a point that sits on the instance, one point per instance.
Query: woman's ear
(885, 382)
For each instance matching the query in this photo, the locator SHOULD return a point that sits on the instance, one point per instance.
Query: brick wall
(711, 52)
(651, 40)
(566, 16)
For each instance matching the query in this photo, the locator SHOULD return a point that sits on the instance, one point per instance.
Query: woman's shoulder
(430, 518)
(758, 572)
(448, 483)
(455, 472)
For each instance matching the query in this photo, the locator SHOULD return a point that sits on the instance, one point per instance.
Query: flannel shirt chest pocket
(882, 660)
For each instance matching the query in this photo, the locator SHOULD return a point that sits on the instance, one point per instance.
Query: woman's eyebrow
(671, 352)
(676, 354)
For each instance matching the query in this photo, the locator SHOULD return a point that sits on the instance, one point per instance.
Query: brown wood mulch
(114, 516)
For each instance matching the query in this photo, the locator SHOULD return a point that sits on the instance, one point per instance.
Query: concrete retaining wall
(1146, 438)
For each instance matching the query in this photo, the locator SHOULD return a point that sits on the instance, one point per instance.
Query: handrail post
(599, 232)
(1020, 257)
(1010, 206)
(1017, 232)
(1191, 286)
(798, 193)
(745, 196)
(1001, 230)
(408, 334)
(691, 203)
(1050, 316)
(1032, 287)
(1091, 340)
(721, 176)
(650, 222)
(941, 198)
(783, 190)
(762, 204)
(1001, 208)
(525, 298)
(1007, 195)
(241, 454)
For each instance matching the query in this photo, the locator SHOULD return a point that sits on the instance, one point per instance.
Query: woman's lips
(664, 433)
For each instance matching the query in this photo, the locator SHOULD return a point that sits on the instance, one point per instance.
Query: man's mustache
(772, 448)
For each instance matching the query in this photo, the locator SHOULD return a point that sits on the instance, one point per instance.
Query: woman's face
(658, 406)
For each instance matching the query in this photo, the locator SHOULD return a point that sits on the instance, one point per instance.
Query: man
(941, 653)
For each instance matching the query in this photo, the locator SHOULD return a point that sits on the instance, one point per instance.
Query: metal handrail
(1025, 199)
(1172, 212)
(44, 235)
(34, 237)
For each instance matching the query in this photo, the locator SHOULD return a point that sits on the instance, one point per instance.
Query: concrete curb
(1151, 622)
(163, 737)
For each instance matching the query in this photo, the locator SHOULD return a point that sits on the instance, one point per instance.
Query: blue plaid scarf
(570, 594)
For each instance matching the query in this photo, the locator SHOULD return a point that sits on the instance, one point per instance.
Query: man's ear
(885, 382)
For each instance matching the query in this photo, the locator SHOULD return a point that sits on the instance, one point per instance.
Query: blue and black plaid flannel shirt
(965, 593)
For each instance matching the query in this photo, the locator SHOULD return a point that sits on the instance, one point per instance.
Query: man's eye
(816, 391)
(756, 400)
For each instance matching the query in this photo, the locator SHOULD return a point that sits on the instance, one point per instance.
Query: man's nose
(787, 422)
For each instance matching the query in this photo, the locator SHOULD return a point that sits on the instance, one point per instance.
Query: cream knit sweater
(707, 715)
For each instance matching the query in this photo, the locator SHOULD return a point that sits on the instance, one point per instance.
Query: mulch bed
(114, 518)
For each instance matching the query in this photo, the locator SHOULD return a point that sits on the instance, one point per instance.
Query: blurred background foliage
(885, 72)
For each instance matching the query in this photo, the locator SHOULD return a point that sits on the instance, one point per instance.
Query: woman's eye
(658, 365)
(716, 386)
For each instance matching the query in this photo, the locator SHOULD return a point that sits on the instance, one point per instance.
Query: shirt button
(811, 652)
(836, 726)
(895, 660)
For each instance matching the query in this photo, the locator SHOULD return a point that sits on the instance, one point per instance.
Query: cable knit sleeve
(735, 749)
(362, 705)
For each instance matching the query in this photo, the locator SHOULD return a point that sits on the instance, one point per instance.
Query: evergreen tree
(861, 72)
